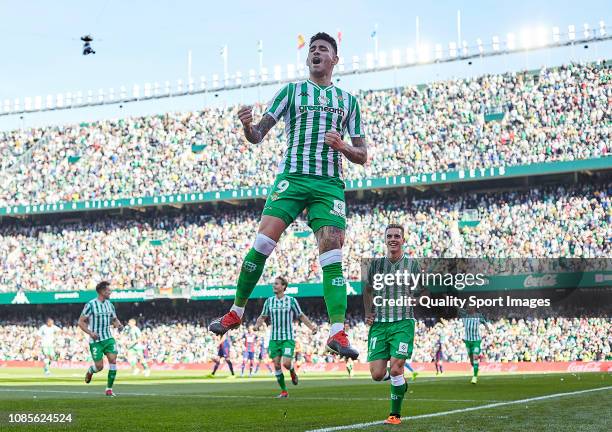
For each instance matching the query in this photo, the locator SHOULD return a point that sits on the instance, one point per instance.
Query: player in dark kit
(439, 357)
(250, 342)
(223, 352)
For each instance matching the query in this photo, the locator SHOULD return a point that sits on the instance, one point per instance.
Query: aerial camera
(87, 40)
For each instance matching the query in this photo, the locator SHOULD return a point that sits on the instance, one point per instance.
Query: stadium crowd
(180, 340)
(556, 114)
(194, 249)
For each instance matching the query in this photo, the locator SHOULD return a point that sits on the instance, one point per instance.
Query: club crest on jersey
(323, 100)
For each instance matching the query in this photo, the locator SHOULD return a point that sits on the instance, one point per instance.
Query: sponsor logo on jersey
(339, 209)
(402, 348)
(339, 111)
(339, 281)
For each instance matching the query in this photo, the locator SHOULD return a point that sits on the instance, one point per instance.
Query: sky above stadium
(149, 41)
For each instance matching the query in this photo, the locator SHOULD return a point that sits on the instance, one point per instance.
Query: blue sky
(148, 41)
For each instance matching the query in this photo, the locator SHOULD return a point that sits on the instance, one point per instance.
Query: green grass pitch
(185, 401)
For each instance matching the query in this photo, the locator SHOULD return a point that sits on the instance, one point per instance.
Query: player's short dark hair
(283, 281)
(102, 286)
(393, 225)
(327, 38)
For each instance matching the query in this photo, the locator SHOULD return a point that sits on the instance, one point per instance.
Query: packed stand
(192, 249)
(557, 114)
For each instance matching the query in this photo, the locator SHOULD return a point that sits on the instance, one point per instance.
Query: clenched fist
(245, 114)
(334, 140)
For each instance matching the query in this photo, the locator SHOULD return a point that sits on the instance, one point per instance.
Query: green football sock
(334, 292)
(145, 365)
(112, 373)
(250, 272)
(397, 397)
(475, 369)
(281, 381)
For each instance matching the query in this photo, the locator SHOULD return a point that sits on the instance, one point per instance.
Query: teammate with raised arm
(317, 115)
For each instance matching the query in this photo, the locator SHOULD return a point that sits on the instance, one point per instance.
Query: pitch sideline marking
(462, 410)
(213, 396)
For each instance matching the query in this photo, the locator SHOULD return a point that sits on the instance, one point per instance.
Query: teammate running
(46, 334)
(317, 115)
(136, 349)
(250, 342)
(471, 326)
(281, 309)
(96, 320)
(391, 334)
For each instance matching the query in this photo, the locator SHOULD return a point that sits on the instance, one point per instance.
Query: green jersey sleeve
(354, 125)
(278, 106)
(266, 308)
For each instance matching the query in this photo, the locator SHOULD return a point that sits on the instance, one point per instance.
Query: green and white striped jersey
(309, 111)
(383, 266)
(281, 312)
(134, 334)
(471, 325)
(101, 315)
(47, 335)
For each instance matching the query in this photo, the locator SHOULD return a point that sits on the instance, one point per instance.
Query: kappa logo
(402, 348)
(249, 266)
(303, 94)
(339, 209)
(20, 298)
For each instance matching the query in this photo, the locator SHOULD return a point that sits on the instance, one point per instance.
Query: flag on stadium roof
(301, 41)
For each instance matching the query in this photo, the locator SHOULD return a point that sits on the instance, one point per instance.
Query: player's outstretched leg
(334, 292)
(250, 272)
(145, 365)
(475, 364)
(47, 364)
(398, 390)
(91, 371)
(280, 378)
(112, 374)
(288, 364)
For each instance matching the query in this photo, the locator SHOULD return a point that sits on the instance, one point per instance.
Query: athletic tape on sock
(398, 380)
(278, 372)
(264, 244)
(112, 366)
(330, 257)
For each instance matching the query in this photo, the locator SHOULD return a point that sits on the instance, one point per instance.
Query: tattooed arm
(356, 153)
(255, 133)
